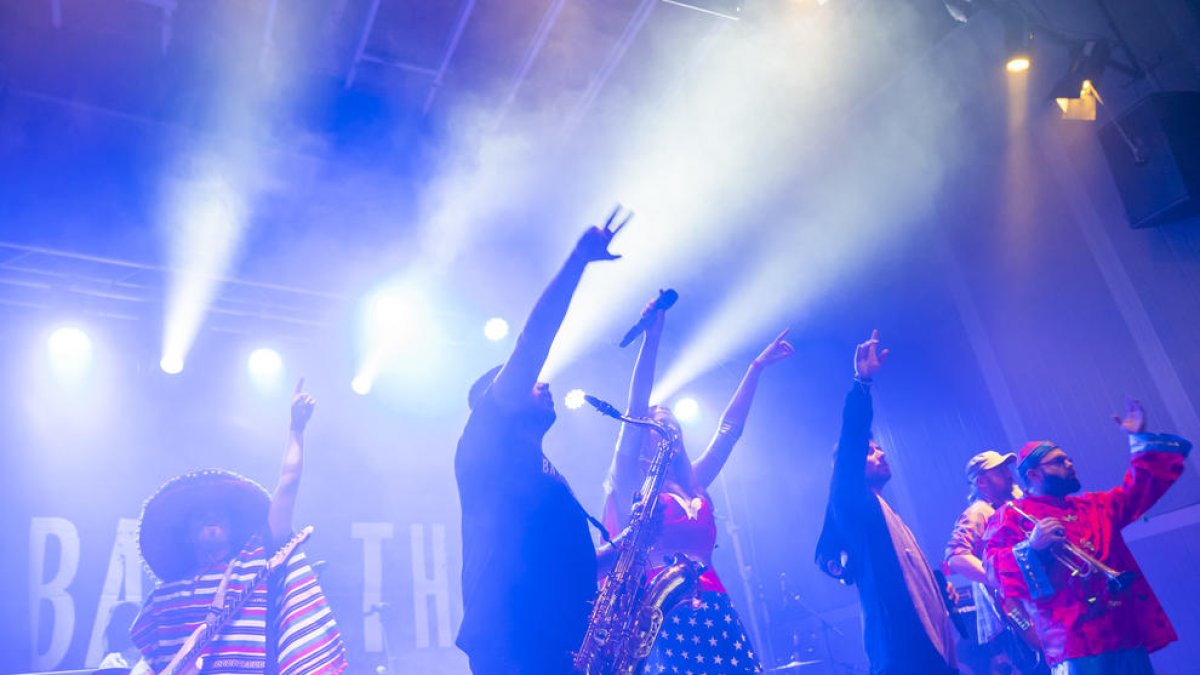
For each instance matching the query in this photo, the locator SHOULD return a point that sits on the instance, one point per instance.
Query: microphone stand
(381, 608)
(748, 575)
(792, 599)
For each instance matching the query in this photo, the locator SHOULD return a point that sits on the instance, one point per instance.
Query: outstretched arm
(850, 461)
(283, 501)
(516, 379)
(1156, 463)
(624, 471)
(708, 465)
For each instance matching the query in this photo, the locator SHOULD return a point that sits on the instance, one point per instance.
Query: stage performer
(906, 625)
(1086, 626)
(529, 566)
(990, 475)
(207, 535)
(705, 635)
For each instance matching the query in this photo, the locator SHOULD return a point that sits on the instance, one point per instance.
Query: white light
(687, 410)
(361, 384)
(495, 329)
(401, 337)
(69, 351)
(265, 365)
(171, 364)
(396, 316)
(205, 212)
(574, 399)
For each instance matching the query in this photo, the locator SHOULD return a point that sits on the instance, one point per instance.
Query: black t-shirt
(529, 566)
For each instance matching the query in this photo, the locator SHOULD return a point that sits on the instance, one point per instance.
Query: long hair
(681, 464)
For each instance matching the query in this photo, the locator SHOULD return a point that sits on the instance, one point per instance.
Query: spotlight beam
(208, 216)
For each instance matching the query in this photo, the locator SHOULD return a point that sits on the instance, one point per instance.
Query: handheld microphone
(604, 407)
(666, 299)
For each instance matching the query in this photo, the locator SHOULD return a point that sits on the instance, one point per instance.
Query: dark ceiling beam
(361, 47)
(632, 28)
(460, 24)
(549, 19)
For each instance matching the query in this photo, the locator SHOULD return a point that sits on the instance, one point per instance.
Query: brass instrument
(1081, 563)
(628, 612)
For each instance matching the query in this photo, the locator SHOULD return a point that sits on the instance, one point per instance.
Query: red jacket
(1078, 616)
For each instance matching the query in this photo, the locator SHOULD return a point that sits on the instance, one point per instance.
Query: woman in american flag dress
(704, 635)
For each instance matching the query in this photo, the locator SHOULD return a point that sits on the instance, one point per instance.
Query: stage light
(397, 317)
(1018, 64)
(1075, 93)
(171, 364)
(686, 410)
(1017, 42)
(206, 212)
(495, 329)
(401, 339)
(361, 384)
(69, 352)
(1082, 107)
(265, 366)
(574, 399)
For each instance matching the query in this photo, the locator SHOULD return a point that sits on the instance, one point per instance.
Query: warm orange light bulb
(1018, 64)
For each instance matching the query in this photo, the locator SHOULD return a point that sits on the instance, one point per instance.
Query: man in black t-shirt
(529, 567)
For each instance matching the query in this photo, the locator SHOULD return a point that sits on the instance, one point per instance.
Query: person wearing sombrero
(207, 535)
(1087, 623)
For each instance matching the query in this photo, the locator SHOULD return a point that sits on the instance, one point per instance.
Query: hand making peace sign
(593, 245)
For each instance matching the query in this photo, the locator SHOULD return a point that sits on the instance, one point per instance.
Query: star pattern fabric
(704, 637)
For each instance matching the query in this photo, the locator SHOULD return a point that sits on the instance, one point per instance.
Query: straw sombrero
(162, 535)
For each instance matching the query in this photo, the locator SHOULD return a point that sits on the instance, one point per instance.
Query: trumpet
(1081, 563)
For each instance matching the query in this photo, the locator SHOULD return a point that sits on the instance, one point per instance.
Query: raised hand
(868, 357)
(1135, 417)
(302, 407)
(593, 245)
(778, 350)
(659, 316)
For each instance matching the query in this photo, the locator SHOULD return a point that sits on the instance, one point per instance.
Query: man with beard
(990, 476)
(1086, 627)
(906, 626)
(529, 566)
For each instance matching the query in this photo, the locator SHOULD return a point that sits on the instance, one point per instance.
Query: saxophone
(628, 612)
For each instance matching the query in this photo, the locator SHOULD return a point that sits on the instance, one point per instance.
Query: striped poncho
(290, 607)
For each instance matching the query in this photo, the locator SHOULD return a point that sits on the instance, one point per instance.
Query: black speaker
(1153, 151)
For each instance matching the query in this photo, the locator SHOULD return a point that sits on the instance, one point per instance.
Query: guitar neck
(205, 632)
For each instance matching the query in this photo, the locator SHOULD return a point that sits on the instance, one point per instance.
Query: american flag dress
(703, 636)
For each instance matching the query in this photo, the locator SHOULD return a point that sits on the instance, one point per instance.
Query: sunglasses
(1056, 461)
